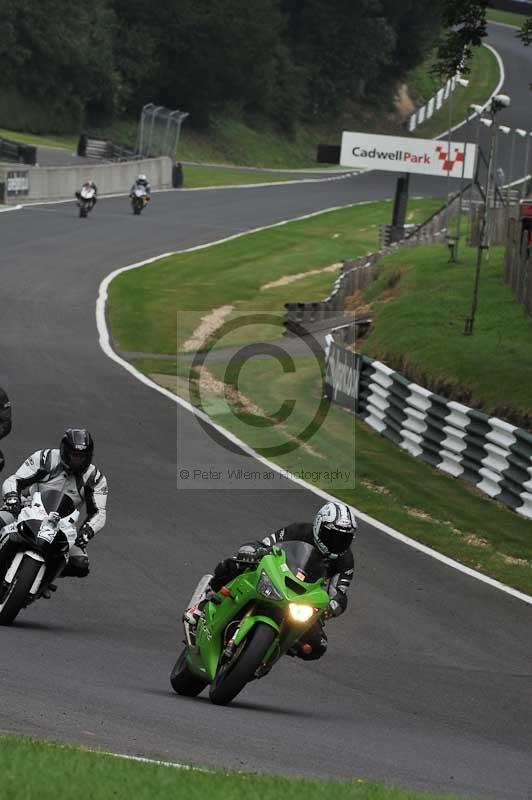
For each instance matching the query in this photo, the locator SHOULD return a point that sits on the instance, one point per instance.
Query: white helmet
(334, 529)
(142, 178)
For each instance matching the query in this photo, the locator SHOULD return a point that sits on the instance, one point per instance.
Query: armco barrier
(103, 149)
(17, 152)
(61, 183)
(486, 451)
(434, 104)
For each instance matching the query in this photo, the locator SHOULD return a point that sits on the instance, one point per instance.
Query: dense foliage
(285, 59)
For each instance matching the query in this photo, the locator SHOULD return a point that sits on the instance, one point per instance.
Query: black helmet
(334, 529)
(76, 450)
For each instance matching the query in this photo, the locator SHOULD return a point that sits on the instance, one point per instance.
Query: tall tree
(464, 23)
(58, 52)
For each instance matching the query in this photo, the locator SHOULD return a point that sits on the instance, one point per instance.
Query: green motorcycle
(258, 617)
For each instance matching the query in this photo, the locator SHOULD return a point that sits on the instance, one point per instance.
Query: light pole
(500, 177)
(461, 82)
(498, 102)
(476, 110)
(525, 182)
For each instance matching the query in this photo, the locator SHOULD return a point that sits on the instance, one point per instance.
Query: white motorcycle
(38, 545)
(85, 200)
(139, 199)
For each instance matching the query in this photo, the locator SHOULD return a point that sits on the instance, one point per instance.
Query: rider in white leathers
(70, 465)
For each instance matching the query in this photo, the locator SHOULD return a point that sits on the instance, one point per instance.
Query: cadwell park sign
(400, 154)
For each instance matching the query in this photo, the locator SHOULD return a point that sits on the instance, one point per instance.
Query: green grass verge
(483, 80)
(198, 176)
(427, 505)
(346, 458)
(34, 770)
(418, 306)
(507, 17)
(67, 141)
(146, 305)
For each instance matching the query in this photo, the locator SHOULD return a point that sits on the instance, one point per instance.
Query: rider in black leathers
(332, 533)
(5, 421)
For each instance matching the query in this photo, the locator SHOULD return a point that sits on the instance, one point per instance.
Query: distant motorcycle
(44, 533)
(139, 199)
(85, 200)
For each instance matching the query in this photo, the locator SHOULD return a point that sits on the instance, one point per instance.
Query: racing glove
(85, 534)
(12, 503)
(251, 553)
(334, 609)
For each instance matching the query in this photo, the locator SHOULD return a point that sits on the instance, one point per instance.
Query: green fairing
(250, 606)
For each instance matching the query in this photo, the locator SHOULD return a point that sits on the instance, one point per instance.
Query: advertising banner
(17, 183)
(401, 154)
(342, 375)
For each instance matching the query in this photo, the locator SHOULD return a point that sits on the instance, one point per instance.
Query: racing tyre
(183, 680)
(19, 590)
(231, 678)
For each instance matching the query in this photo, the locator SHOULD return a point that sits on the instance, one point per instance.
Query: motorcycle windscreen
(58, 501)
(304, 561)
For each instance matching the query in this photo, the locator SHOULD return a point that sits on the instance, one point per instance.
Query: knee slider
(77, 567)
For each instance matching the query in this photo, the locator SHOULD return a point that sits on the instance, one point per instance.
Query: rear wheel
(231, 679)
(82, 211)
(183, 680)
(19, 590)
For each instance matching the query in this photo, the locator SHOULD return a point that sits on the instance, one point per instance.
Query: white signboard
(17, 183)
(400, 154)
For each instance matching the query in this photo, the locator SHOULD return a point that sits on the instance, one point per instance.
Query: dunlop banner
(400, 154)
(342, 376)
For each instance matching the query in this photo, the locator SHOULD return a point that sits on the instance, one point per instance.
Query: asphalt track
(427, 682)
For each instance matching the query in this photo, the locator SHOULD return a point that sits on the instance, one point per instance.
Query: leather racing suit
(46, 467)
(340, 572)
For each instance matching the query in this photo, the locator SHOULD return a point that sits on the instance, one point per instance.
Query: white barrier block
(490, 484)
(526, 509)
(451, 463)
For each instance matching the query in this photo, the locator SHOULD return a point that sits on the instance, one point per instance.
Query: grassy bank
(196, 177)
(418, 306)
(66, 141)
(483, 80)
(146, 305)
(33, 770)
(506, 17)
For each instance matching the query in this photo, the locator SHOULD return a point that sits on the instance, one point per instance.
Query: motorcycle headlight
(300, 613)
(266, 588)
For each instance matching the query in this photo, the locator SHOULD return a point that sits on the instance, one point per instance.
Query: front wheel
(183, 680)
(82, 211)
(19, 590)
(229, 682)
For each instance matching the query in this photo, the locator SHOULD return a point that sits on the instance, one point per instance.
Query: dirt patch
(209, 323)
(418, 513)
(476, 541)
(286, 279)
(354, 304)
(374, 487)
(520, 562)
(403, 102)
